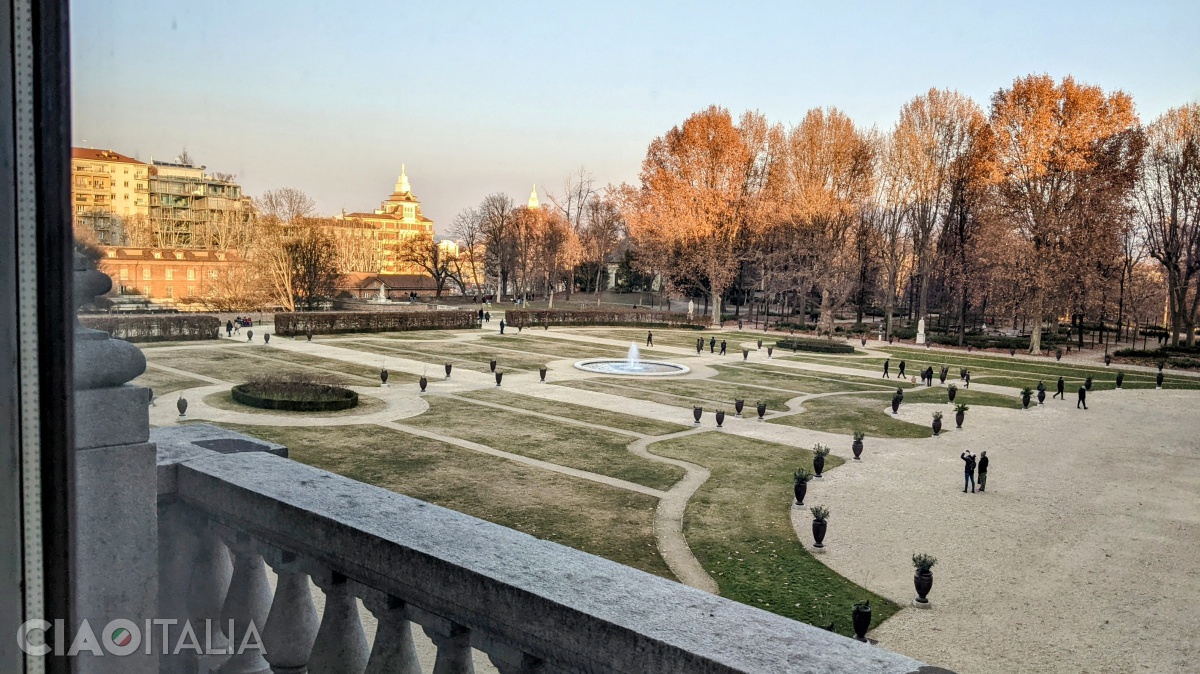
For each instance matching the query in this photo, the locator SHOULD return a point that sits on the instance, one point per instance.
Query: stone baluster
(341, 645)
(177, 547)
(514, 662)
(393, 651)
(292, 624)
(207, 592)
(246, 606)
(453, 651)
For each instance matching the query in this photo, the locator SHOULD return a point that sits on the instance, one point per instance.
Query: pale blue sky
(331, 97)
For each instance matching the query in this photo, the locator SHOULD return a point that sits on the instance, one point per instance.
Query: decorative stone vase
(1012, 352)
(818, 464)
(864, 341)
(857, 448)
(696, 412)
(895, 404)
(448, 368)
(1041, 397)
(308, 334)
(1025, 400)
(861, 619)
(952, 392)
(720, 418)
(1087, 383)
(542, 374)
(383, 376)
(923, 580)
(492, 364)
(760, 343)
(745, 354)
(770, 349)
(181, 405)
(958, 419)
(1161, 364)
(267, 338)
(819, 527)
(424, 382)
(1120, 379)
(799, 489)
(1158, 380)
(937, 426)
(738, 405)
(762, 411)
(249, 335)
(499, 376)
(1058, 354)
(942, 375)
(1107, 360)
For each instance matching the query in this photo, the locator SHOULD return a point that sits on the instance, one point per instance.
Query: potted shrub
(942, 375)
(1041, 391)
(960, 411)
(858, 444)
(937, 423)
(383, 377)
(896, 403)
(952, 390)
(181, 405)
(923, 579)
(819, 454)
(492, 364)
(1026, 394)
(1087, 383)
(1107, 360)
(769, 350)
(542, 373)
(762, 410)
(1159, 379)
(820, 522)
(267, 338)
(861, 619)
(738, 405)
(760, 344)
(499, 376)
(448, 368)
(423, 382)
(1120, 379)
(900, 393)
(696, 412)
(720, 418)
(800, 480)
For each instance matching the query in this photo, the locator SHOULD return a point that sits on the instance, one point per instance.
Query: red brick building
(169, 277)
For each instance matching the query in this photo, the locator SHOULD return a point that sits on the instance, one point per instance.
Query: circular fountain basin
(641, 368)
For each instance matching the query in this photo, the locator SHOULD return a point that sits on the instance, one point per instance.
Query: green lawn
(738, 525)
(592, 517)
(1019, 372)
(591, 415)
(850, 413)
(564, 444)
(461, 354)
(710, 395)
(550, 348)
(162, 382)
(238, 364)
(800, 381)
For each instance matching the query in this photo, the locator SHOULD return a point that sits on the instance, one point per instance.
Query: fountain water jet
(632, 365)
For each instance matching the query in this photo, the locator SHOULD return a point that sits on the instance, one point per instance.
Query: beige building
(107, 188)
(398, 217)
(190, 208)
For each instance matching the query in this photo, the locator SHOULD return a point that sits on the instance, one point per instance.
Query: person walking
(983, 463)
(699, 345)
(967, 379)
(969, 470)
(229, 328)
(649, 338)
(929, 376)
(887, 362)
(487, 317)
(481, 314)
(712, 344)
(722, 347)
(502, 326)
(1061, 388)
(1082, 398)
(901, 369)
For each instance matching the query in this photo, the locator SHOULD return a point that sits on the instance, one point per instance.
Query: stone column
(116, 561)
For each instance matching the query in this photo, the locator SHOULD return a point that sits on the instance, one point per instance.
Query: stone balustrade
(530, 605)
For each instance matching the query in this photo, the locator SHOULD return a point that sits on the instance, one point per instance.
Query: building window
(170, 274)
(170, 291)
(124, 274)
(146, 274)
(146, 291)
(191, 291)
(212, 273)
(191, 274)
(127, 182)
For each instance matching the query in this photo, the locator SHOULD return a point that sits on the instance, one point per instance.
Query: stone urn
(819, 527)
(249, 335)
(423, 382)
(720, 418)
(542, 374)
(1161, 365)
(1087, 383)
(760, 343)
(1158, 380)
(383, 377)
(1012, 352)
(762, 411)
(308, 333)
(818, 465)
(1120, 379)
(267, 338)
(770, 349)
(499, 376)
(696, 413)
(799, 489)
(958, 419)
(895, 404)
(1041, 396)
(738, 405)
(1107, 360)
(1025, 400)
(492, 364)
(1058, 354)
(745, 354)
(864, 341)
(923, 580)
(857, 448)
(952, 392)
(448, 368)
(181, 405)
(937, 426)
(861, 619)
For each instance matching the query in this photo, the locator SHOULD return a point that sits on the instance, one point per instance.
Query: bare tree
(423, 252)
(467, 229)
(314, 266)
(286, 204)
(497, 221)
(579, 193)
(604, 229)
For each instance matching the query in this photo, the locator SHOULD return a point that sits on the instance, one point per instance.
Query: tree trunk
(1035, 337)
(716, 306)
(962, 320)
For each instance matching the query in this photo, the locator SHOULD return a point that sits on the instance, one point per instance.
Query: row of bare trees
(1049, 204)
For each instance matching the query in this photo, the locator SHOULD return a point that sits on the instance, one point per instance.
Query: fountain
(632, 365)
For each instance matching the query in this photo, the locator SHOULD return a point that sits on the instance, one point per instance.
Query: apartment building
(398, 217)
(107, 188)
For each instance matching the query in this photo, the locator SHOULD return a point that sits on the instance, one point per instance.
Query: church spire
(533, 199)
(402, 185)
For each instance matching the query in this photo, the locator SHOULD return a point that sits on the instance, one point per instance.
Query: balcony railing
(530, 605)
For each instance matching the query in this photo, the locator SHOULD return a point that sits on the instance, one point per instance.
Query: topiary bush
(156, 328)
(528, 318)
(295, 393)
(288, 324)
(813, 345)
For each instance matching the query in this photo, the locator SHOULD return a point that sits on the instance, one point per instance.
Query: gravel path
(1080, 557)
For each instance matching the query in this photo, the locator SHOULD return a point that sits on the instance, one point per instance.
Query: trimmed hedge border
(813, 345)
(349, 399)
(289, 324)
(157, 328)
(528, 318)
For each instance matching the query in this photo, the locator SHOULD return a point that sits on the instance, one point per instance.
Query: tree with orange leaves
(1053, 141)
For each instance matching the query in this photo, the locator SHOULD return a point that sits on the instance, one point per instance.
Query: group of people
(485, 316)
(712, 344)
(235, 326)
(974, 465)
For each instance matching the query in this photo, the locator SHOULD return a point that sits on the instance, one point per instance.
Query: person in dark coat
(929, 376)
(967, 379)
(1061, 389)
(649, 338)
(699, 344)
(481, 315)
(229, 328)
(502, 326)
(487, 317)
(983, 463)
(887, 363)
(969, 470)
(1082, 398)
(712, 344)
(722, 347)
(901, 369)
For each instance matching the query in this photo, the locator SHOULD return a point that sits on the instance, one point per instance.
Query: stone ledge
(576, 611)
(177, 444)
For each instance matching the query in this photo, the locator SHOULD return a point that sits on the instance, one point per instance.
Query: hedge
(335, 322)
(813, 345)
(156, 327)
(341, 399)
(527, 318)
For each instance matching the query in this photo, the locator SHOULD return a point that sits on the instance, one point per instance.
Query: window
(191, 274)
(146, 274)
(212, 273)
(146, 291)
(191, 291)
(127, 182)
(170, 274)
(170, 291)
(124, 274)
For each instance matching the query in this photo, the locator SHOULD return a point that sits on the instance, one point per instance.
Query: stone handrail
(530, 605)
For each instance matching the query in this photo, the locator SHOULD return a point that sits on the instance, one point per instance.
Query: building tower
(533, 200)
